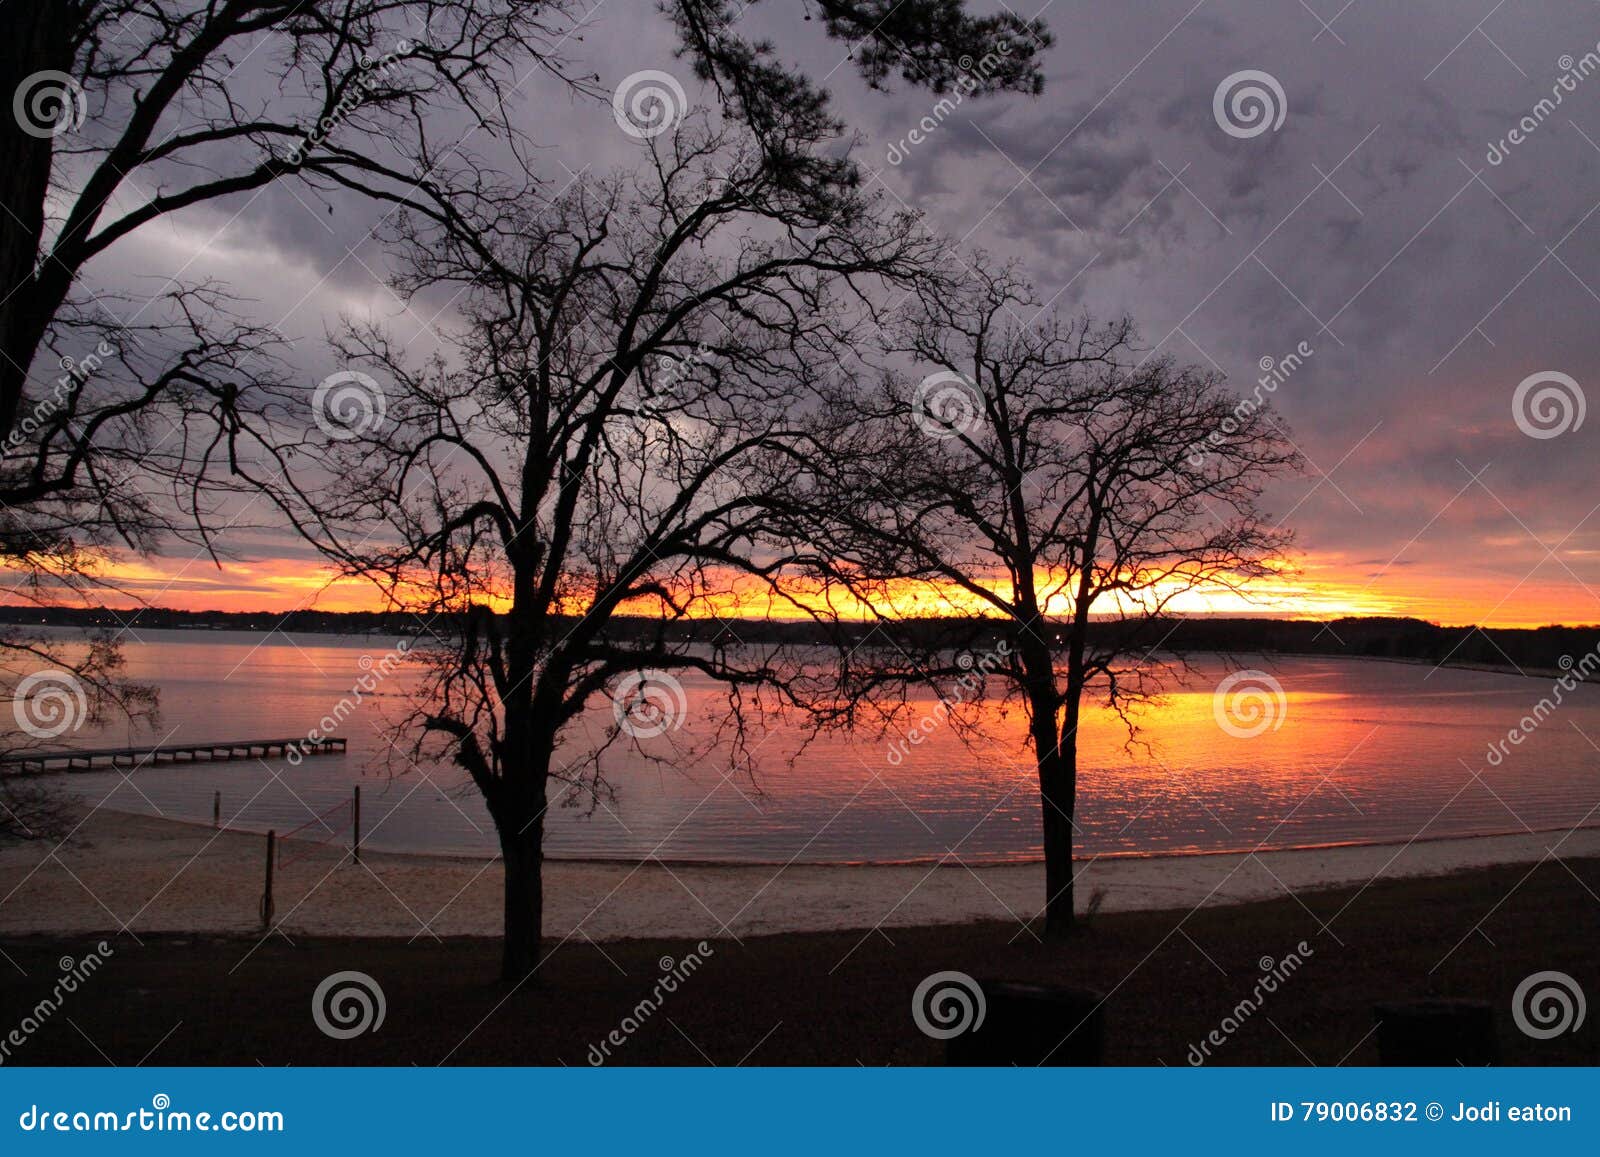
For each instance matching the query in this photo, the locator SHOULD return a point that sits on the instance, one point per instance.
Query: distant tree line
(1376, 637)
(1373, 637)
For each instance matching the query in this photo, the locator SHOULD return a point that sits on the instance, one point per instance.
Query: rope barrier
(311, 844)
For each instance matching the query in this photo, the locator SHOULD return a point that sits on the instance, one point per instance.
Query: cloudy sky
(1372, 206)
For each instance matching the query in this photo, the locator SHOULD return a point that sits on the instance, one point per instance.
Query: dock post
(266, 896)
(216, 810)
(355, 837)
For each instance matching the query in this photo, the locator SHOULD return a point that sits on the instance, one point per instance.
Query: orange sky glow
(1325, 587)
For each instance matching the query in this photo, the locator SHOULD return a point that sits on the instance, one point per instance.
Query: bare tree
(1041, 475)
(30, 811)
(124, 112)
(590, 466)
(127, 111)
(121, 114)
(53, 687)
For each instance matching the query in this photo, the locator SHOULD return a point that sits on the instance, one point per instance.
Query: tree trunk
(522, 847)
(1057, 798)
(1057, 793)
(517, 805)
(36, 40)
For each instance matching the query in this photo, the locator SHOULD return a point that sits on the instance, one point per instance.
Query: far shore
(146, 874)
(366, 626)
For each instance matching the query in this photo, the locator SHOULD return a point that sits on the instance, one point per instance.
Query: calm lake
(1364, 751)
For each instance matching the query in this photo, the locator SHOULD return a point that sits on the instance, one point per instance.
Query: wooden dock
(42, 762)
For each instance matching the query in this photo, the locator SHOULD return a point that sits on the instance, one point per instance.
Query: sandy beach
(152, 875)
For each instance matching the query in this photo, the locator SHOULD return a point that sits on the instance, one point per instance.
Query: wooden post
(266, 896)
(355, 837)
(216, 810)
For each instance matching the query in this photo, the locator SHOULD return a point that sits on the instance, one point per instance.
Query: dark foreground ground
(841, 998)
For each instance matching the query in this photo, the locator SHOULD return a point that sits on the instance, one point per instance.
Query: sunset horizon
(266, 587)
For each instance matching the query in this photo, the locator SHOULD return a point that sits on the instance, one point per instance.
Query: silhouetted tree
(52, 687)
(121, 113)
(615, 416)
(1041, 473)
(125, 112)
(130, 110)
(30, 811)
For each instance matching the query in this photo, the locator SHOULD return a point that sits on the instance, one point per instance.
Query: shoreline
(156, 875)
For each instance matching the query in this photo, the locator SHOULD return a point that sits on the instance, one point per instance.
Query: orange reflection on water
(1354, 751)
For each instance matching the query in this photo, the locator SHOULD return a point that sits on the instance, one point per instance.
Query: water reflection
(1366, 751)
